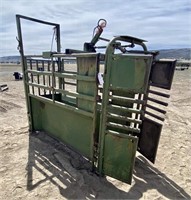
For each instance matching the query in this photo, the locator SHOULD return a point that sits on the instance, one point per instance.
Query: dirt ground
(36, 166)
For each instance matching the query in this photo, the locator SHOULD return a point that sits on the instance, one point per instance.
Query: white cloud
(165, 24)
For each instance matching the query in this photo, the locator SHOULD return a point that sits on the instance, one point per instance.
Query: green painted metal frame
(23, 58)
(125, 75)
(49, 112)
(108, 134)
(72, 124)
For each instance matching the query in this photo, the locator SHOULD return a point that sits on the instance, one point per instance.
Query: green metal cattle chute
(105, 121)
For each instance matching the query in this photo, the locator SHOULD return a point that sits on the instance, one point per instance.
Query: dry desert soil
(35, 166)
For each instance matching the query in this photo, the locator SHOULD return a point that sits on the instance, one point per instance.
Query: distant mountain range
(164, 53)
(184, 54)
(10, 59)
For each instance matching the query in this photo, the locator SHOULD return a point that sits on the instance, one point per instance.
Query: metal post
(24, 68)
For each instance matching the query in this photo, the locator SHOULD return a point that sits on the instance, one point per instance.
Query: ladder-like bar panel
(126, 77)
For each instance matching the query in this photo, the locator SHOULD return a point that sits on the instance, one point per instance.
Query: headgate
(106, 124)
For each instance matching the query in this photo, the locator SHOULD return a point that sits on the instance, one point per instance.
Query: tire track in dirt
(7, 105)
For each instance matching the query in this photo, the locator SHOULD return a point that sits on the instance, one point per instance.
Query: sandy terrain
(37, 167)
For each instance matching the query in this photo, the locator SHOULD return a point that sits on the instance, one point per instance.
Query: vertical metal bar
(95, 110)
(137, 116)
(62, 80)
(105, 100)
(43, 76)
(58, 38)
(53, 79)
(145, 96)
(62, 70)
(31, 76)
(59, 70)
(59, 50)
(38, 80)
(87, 66)
(48, 68)
(24, 68)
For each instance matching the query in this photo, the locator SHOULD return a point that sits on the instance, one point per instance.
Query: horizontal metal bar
(123, 109)
(33, 56)
(70, 51)
(100, 47)
(159, 93)
(68, 58)
(77, 95)
(111, 88)
(104, 39)
(49, 73)
(69, 72)
(153, 115)
(37, 20)
(121, 135)
(70, 83)
(155, 108)
(125, 99)
(39, 86)
(33, 60)
(75, 55)
(123, 127)
(63, 105)
(63, 75)
(74, 76)
(124, 118)
(157, 101)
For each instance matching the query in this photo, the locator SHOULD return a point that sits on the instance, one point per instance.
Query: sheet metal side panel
(119, 157)
(149, 139)
(132, 73)
(69, 127)
(162, 74)
(88, 67)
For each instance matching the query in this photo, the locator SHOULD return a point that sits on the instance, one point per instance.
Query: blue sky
(164, 24)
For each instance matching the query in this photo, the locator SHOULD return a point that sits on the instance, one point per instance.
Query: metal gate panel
(119, 156)
(51, 107)
(149, 139)
(162, 73)
(126, 75)
(72, 128)
(87, 66)
(130, 72)
(161, 76)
